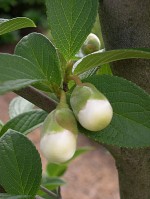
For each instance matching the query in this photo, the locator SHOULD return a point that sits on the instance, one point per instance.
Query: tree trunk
(126, 24)
(134, 172)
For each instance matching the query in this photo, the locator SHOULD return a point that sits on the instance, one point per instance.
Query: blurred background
(33, 9)
(92, 175)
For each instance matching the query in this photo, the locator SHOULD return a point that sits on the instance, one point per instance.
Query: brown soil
(90, 176)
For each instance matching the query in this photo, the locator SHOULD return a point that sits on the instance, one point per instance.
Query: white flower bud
(91, 44)
(91, 108)
(96, 115)
(58, 136)
(58, 147)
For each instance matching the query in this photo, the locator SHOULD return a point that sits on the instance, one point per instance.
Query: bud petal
(96, 115)
(91, 107)
(58, 147)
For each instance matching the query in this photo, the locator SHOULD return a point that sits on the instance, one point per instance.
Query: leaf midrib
(18, 166)
(141, 124)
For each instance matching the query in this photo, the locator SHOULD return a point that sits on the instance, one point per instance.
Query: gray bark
(126, 24)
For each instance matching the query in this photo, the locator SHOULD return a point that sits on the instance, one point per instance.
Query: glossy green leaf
(17, 72)
(36, 48)
(52, 182)
(9, 25)
(25, 122)
(20, 164)
(100, 58)
(70, 23)
(130, 126)
(19, 105)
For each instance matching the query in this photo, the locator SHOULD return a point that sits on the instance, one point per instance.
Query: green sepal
(50, 125)
(58, 120)
(66, 119)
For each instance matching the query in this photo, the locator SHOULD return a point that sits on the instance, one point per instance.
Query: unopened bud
(91, 44)
(91, 108)
(59, 134)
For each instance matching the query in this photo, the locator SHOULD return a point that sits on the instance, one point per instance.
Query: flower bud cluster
(59, 134)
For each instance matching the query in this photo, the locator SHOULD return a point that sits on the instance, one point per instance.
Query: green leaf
(104, 70)
(17, 72)
(20, 164)
(70, 22)
(56, 170)
(19, 105)
(100, 58)
(25, 122)
(52, 183)
(81, 151)
(7, 196)
(36, 48)
(9, 25)
(88, 73)
(130, 126)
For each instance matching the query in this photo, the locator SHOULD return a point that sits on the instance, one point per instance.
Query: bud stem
(63, 97)
(50, 193)
(63, 101)
(76, 79)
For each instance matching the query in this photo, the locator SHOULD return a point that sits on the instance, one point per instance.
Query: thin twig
(38, 98)
(50, 193)
(59, 193)
(76, 79)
